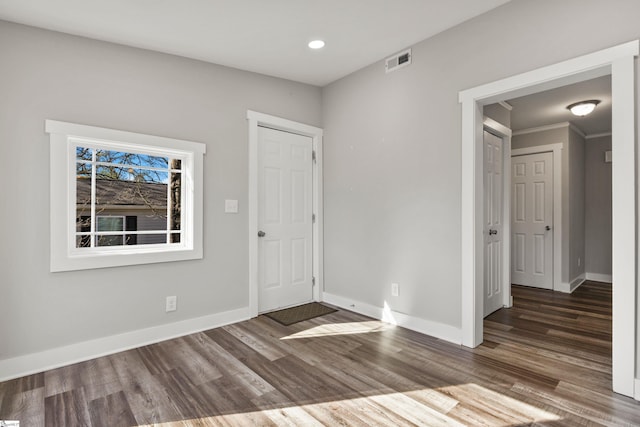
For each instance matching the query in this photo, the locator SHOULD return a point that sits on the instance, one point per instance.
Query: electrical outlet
(395, 290)
(579, 261)
(172, 303)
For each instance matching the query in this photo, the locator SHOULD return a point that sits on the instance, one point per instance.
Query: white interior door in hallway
(284, 219)
(493, 224)
(532, 220)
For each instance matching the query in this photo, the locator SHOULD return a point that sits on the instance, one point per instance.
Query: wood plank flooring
(546, 361)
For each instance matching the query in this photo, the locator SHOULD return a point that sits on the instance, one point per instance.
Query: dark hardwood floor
(546, 361)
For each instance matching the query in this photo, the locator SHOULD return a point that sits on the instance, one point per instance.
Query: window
(111, 182)
(120, 198)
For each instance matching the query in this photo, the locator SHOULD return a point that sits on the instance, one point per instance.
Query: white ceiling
(264, 36)
(550, 107)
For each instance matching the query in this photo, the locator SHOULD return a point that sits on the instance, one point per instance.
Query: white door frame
(619, 62)
(556, 150)
(504, 133)
(256, 119)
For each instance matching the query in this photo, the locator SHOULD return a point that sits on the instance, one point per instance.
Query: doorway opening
(256, 121)
(619, 62)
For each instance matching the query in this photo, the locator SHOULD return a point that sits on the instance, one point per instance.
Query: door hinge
(313, 218)
(313, 281)
(313, 156)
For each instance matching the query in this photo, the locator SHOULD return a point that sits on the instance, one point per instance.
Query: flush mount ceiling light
(583, 108)
(316, 44)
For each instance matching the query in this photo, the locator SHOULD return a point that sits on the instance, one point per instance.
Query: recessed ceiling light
(316, 44)
(583, 108)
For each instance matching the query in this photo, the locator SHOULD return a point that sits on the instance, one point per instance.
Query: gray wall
(545, 137)
(392, 148)
(498, 113)
(597, 207)
(47, 75)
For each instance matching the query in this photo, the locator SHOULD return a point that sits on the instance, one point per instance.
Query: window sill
(118, 258)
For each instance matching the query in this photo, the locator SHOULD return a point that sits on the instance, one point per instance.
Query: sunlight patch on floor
(501, 410)
(422, 407)
(334, 329)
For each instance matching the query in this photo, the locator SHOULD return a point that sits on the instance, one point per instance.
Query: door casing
(619, 62)
(256, 119)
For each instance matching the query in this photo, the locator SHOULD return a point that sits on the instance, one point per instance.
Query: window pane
(145, 175)
(175, 237)
(83, 170)
(131, 224)
(146, 197)
(83, 153)
(110, 223)
(108, 240)
(83, 241)
(83, 191)
(176, 164)
(152, 239)
(83, 224)
(124, 158)
(131, 174)
(176, 200)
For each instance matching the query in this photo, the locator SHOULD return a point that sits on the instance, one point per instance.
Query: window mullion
(169, 210)
(183, 205)
(132, 166)
(93, 198)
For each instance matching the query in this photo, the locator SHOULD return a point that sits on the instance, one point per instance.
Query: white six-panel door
(532, 220)
(284, 219)
(493, 224)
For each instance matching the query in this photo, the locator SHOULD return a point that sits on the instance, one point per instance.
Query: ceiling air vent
(398, 61)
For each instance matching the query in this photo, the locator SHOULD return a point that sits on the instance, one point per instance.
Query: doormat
(292, 315)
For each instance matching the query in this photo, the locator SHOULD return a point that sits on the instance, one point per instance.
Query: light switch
(607, 156)
(231, 206)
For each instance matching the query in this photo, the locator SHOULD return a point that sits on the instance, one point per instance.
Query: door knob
(261, 233)
(492, 231)
(547, 228)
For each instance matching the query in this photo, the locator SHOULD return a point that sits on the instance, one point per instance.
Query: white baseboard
(575, 283)
(54, 358)
(569, 287)
(636, 389)
(597, 277)
(427, 327)
(563, 287)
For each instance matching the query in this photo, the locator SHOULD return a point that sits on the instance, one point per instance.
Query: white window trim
(64, 257)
